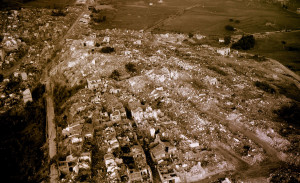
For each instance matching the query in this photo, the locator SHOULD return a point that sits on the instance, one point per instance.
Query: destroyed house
(169, 177)
(72, 129)
(115, 116)
(162, 150)
(139, 156)
(137, 114)
(93, 83)
(68, 166)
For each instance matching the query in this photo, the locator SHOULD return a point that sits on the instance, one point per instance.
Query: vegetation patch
(290, 90)
(245, 43)
(61, 93)
(229, 28)
(22, 140)
(265, 87)
(107, 49)
(289, 113)
(115, 75)
(131, 67)
(227, 40)
(218, 70)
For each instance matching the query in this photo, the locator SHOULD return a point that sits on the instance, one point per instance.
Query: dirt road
(50, 105)
(51, 132)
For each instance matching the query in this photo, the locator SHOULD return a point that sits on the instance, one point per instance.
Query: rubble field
(140, 106)
(196, 112)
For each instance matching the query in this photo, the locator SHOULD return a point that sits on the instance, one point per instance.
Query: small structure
(84, 20)
(298, 10)
(24, 76)
(27, 96)
(221, 40)
(80, 2)
(106, 39)
(224, 51)
(90, 43)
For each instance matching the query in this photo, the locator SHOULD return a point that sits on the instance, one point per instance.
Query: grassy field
(211, 17)
(288, 54)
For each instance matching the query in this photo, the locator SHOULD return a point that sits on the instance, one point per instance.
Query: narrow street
(51, 132)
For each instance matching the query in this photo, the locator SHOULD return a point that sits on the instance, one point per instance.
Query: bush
(97, 44)
(115, 75)
(237, 21)
(217, 70)
(289, 113)
(99, 19)
(107, 49)
(227, 40)
(130, 67)
(245, 43)
(58, 13)
(265, 87)
(229, 28)
(230, 20)
(1, 77)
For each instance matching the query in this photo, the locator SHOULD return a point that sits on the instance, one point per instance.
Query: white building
(27, 96)
(224, 51)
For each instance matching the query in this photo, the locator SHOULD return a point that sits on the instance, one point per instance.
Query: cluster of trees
(98, 18)
(245, 43)
(61, 93)
(22, 137)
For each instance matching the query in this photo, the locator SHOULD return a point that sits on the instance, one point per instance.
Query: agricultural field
(210, 17)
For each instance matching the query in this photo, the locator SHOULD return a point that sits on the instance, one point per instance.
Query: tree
(130, 67)
(229, 28)
(283, 44)
(1, 77)
(115, 75)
